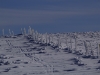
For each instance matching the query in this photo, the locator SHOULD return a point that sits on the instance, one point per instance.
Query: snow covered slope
(50, 54)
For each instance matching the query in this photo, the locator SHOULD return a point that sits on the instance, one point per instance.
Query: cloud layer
(21, 17)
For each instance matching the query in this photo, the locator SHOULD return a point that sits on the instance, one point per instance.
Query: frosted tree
(36, 36)
(32, 34)
(49, 39)
(46, 38)
(66, 38)
(52, 39)
(30, 31)
(98, 50)
(24, 31)
(70, 43)
(86, 48)
(42, 38)
(59, 41)
(75, 42)
(91, 52)
(10, 32)
(3, 32)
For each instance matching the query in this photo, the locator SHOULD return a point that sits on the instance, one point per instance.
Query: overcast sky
(50, 15)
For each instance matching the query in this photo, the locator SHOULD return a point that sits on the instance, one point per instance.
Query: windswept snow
(53, 54)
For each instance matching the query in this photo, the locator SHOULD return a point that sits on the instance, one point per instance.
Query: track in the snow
(47, 67)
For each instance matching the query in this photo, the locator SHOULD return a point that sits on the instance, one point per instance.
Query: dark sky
(50, 15)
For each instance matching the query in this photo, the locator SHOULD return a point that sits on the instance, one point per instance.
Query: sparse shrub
(77, 61)
(6, 63)
(15, 67)
(98, 68)
(99, 61)
(6, 70)
(73, 69)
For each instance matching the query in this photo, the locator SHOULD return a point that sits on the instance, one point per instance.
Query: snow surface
(20, 56)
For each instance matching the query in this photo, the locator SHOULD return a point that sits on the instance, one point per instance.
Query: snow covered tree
(24, 31)
(36, 36)
(49, 38)
(10, 32)
(91, 52)
(46, 38)
(98, 50)
(59, 41)
(86, 48)
(30, 31)
(3, 32)
(42, 39)
(75, 43)
(66, 38)
(70, 43)
(32, 34)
